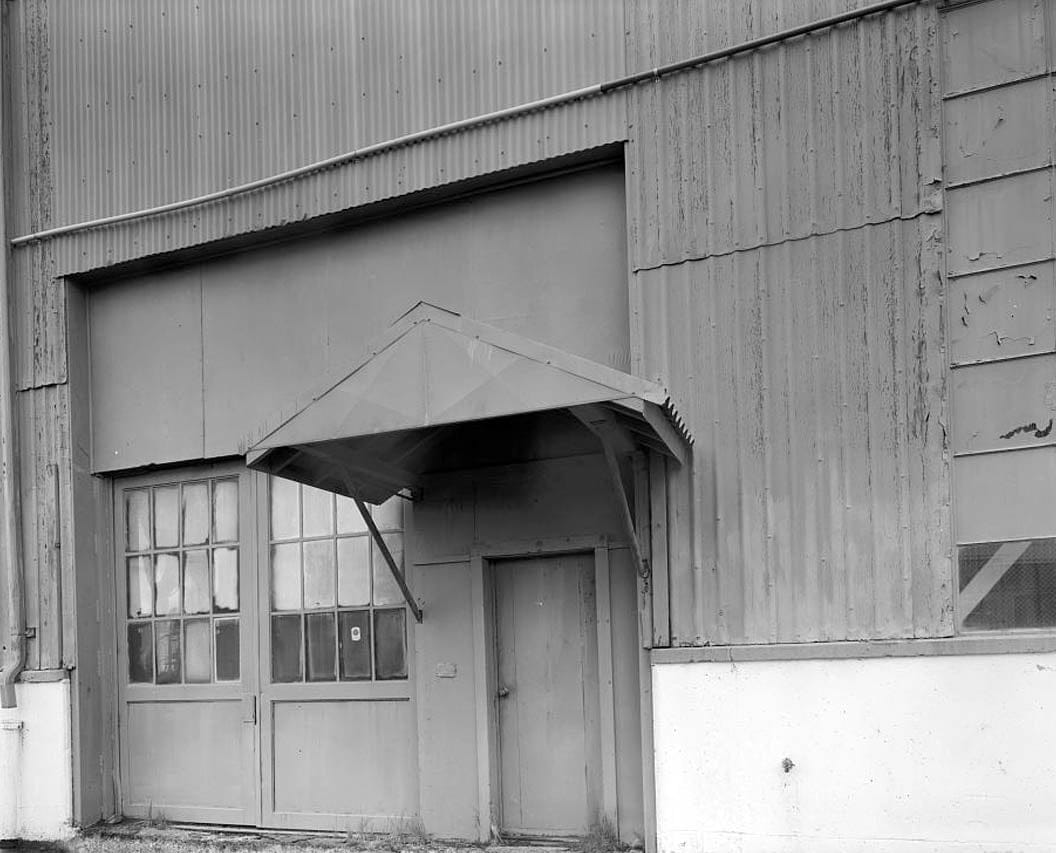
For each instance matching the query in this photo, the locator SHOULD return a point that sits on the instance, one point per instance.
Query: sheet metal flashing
(368, 433)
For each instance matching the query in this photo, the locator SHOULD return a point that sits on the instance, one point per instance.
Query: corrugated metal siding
(828, 131)
(788, 290)
(162, 101)
(812, 374)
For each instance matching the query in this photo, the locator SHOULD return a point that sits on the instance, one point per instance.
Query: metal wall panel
(146, 372)
(1004, 405)
(828, 131)
(1005, 495)
(998, 116)
(812, 375)
(999, 223)
(994, 42)
(155, 102)
(1002, 313)
(997, 131)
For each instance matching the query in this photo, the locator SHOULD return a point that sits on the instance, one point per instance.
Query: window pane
(354, 644)
(285, 509)
(225, 580)
(353, 571)
(167, 517)
(386, 590)
(227, 649)
(140, 652)
(167, 645)
(319, 634)
(390, 644)
(227, 668)
(225, 510)
(196, 582)
(348, 518)
(140, 586)
(196, 643)
(1008, 584)
(195, 513)
(286, 577)
(389, 516)
(285, 648)
(166, 584)
(318, 512)
(137, 520)
(319, 574)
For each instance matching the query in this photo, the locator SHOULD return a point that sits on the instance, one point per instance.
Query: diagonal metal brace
(614, 439)
(396, 573)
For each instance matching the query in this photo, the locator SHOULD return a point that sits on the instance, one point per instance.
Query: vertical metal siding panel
(812, 375)
(846, 102)
(174, 100)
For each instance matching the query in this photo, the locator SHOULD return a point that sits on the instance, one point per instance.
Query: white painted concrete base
(36, 755)
(900, 755)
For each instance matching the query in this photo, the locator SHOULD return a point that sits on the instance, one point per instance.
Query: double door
(263, 656)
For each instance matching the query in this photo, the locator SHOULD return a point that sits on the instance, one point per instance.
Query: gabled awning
(368, 433)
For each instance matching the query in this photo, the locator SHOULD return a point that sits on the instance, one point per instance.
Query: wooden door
(186, 647)
(547, 694)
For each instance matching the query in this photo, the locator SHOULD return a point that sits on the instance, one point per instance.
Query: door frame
(482, 558)
(246, 689)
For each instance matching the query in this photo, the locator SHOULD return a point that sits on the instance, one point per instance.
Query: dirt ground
(144, 837)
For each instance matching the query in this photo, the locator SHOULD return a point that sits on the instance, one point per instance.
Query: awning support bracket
(375, 534)
(612, 437)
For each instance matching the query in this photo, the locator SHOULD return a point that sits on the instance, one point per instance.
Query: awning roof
(369, 431)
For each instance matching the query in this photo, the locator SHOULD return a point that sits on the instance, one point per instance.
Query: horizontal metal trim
(990, 451)
(43, 676)
(799, 238)
(1018, 264)
(851, 649)
(999, 267)
(1019, 356)
(989, 87)
(989, 179)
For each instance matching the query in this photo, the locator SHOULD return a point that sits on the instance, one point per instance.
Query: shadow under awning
(376, 429)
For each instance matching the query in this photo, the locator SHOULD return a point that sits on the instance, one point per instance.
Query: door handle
(249, 709)
(503, 692)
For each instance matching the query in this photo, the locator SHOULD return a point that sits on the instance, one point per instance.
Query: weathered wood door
(187, 647)
(547, 686)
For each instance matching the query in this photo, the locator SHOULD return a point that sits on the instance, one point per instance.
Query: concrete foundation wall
(36, 784)
(891, 754)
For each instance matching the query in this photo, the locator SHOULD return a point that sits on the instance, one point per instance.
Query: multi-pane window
(336, 611)
(181, 569)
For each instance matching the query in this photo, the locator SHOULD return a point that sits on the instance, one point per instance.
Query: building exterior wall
(888, 754)
(36, 763)
(806, 228)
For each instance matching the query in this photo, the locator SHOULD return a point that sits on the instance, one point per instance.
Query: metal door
(338, 718)
(186, 647)
(547, 686)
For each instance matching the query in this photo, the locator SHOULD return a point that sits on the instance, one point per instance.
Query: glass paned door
(187, 646)
(338, 718)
